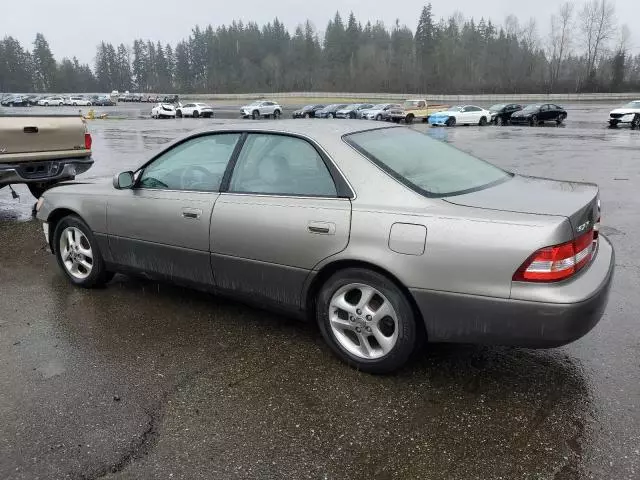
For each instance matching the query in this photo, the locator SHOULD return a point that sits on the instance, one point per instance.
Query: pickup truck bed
(41, 151)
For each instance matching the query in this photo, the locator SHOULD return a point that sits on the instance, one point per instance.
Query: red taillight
(87, 141)
(552, 264)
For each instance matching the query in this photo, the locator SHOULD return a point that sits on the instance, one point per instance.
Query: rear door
(546, 113)
(281, 216)
(162, 225)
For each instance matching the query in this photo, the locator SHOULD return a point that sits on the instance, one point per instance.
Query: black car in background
(502, 112)
(330, 110)
(15, 101)
(538, 114)
(170, 99)
(307, 111)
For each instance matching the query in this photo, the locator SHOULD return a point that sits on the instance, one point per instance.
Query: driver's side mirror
(124, 180)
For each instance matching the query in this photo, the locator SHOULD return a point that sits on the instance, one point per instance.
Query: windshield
(412, 103)
(634, 104)
(530, 108)
(380, 106)
(427, 166)
(497, 107)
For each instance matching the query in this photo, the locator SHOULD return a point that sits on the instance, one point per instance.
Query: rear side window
(428, 166)
(281, 165)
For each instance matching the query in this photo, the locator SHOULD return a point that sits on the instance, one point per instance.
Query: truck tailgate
(42, 135)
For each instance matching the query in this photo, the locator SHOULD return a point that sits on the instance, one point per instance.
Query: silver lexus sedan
(384, 236)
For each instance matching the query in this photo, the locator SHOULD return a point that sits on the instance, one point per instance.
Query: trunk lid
(33, 134)
(579, 202)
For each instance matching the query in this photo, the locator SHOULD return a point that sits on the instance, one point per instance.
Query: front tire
(179, 113)
(561, 118)
(367, 320)
(255, 115)
(276, 114)
(534, 121)
(483, 121)
(78, 253)
(379, 117)
(451, 122)
(635, 123)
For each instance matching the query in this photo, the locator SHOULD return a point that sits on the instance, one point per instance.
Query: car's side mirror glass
(123, 180)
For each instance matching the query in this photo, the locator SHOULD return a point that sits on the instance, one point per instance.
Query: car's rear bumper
(43, 171)
(458, 318)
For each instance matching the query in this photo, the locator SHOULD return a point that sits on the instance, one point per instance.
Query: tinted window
(425, 165)
(279, 164)
(473, 109)
(197, 164)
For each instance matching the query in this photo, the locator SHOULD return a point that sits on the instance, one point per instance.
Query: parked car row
(148, 98)
(56, 100)
(194, 110)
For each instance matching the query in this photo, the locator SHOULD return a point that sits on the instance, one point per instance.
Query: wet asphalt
(147, 380)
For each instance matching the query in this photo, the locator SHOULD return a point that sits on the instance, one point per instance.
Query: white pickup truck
(41, 151)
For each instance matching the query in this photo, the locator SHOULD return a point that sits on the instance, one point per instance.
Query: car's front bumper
(565, 311)
(43, 171)
(438, 120)
(628, 118)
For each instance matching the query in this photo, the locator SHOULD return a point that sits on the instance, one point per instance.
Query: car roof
(316, 130)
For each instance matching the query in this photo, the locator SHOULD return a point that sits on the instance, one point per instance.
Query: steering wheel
(189, 181)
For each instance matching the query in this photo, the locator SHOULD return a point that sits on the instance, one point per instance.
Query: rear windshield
(428, 166)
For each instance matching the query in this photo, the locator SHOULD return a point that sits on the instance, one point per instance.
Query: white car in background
(79, 101)
(195, 110)
(461, 115)
(630, 114)
(377, 112)
(163, 110)
(261, 108)
(51, 101)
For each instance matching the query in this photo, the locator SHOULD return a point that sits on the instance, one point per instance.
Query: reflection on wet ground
(144, 380)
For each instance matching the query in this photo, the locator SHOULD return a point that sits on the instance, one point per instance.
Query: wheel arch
(313, 286)
(54, 217)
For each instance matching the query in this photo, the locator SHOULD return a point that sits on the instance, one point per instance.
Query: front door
(280, 217)
(161, 226)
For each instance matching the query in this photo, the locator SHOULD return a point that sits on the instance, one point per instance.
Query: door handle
(191, 213)
(322, 228)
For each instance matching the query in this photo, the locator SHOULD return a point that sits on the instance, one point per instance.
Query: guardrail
(535, 97)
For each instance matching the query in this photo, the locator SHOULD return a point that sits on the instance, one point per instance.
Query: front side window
(195, 165)
(427, 166)
(283, 165)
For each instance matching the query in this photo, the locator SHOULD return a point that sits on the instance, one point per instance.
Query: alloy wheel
(76, 253)
(363, 321)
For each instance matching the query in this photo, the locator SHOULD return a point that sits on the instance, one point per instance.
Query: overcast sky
(74, 27)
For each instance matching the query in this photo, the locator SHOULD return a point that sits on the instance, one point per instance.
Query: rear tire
(373, 345)
(179, 113)
(409, 119)
(84, 250)
(196, 114)
(534, 121)
(635, 123)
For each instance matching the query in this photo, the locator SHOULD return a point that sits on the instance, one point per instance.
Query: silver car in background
(384, 236)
